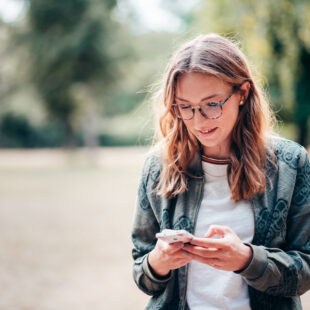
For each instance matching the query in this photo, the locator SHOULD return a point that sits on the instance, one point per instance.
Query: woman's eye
(185, 107)
(212, 104)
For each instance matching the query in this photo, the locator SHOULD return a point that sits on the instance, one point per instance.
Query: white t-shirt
(210, 288)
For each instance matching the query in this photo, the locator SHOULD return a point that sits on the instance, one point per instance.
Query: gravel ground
(65, 222)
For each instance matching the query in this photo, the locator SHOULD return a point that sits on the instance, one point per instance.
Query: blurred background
(75, 123)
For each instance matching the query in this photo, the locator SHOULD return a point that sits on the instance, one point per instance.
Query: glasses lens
(184, 111)
(212, 110)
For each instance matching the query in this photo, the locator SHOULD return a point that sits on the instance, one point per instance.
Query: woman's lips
(207, 132)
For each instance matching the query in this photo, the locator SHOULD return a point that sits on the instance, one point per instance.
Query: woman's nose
(198, 117)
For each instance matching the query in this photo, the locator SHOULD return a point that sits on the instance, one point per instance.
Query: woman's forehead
(196, 85)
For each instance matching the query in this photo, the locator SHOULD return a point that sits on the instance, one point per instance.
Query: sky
(151, 14)
(12, 10)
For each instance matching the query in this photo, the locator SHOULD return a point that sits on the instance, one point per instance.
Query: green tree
(69, 47)
(276, 36)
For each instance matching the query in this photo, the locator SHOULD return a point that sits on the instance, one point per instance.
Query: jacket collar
(195, 167)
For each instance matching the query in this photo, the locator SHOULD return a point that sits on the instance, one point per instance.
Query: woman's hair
(214, 55)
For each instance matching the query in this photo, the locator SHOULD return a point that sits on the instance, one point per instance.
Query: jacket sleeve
(145, 226)
(286, 272)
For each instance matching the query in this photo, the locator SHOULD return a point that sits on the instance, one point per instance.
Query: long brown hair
(218, 56)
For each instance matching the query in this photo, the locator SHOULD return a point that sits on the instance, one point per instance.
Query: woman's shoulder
(152, 162)
(153, 156)
(290, 152)
(279, 141)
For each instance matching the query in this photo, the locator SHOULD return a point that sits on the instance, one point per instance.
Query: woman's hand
(167, 256)
(227, 253)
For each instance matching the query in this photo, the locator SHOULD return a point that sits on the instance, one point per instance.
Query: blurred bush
(16, 131)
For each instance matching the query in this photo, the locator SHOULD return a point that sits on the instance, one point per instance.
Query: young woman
(218, 172)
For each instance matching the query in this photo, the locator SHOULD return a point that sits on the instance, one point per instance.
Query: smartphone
(172, 236)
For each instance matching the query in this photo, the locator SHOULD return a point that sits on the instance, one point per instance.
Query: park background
(75, 123)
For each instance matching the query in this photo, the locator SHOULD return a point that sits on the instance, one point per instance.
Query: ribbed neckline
(215, 161)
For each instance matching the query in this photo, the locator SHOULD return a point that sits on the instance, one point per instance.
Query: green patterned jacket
(280, 269)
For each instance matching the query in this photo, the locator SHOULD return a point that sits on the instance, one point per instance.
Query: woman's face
(191, 89)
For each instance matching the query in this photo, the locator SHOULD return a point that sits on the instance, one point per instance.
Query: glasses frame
(219, 103)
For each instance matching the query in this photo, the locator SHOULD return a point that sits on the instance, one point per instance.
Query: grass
(65, 230)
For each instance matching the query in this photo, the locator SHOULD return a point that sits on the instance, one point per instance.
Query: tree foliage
(276, 36)
(69, 45)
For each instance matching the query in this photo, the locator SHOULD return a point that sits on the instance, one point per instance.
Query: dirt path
(65, 230)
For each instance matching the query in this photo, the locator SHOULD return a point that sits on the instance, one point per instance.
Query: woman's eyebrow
(206, 98)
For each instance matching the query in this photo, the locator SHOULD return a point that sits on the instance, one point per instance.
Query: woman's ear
(244, 91)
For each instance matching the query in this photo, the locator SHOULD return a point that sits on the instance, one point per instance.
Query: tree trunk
(69, 142)
(303, 131)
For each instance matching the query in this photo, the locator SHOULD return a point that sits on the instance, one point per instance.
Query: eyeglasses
(210, 110)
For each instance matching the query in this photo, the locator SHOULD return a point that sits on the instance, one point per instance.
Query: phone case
(172, 236)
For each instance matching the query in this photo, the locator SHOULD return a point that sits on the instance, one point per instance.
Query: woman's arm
(145, 226)
(155, 259)
(279, 272)
(287, 272)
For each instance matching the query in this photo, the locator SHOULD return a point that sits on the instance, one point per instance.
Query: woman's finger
(210, 243)
(169, 248)
(213, 262)
(202, 251)
(216, 230)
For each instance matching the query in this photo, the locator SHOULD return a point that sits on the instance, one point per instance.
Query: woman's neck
(220, 154)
